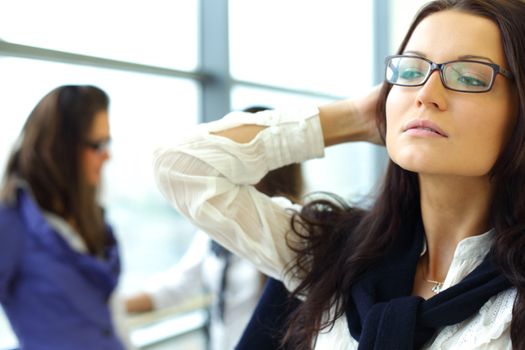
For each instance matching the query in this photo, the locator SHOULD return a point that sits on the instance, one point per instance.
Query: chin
(93, 181)
(415, 164)
(418, 158)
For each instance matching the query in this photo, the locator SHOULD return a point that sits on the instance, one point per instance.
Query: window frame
(213, 73)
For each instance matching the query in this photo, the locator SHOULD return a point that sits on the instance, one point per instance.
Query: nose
(105, 154)
(432, 93)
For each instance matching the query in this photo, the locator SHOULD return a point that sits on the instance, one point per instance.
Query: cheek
(490, 142)
(393, 110)
(89, 165)
(85, 157)
(491, 134)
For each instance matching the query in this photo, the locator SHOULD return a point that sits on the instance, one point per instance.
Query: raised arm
(209, 178)
(341, 121)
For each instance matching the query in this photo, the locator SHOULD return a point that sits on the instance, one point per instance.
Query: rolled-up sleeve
(210, 180)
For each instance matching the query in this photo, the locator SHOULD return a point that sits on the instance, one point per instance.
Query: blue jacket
(54, 297)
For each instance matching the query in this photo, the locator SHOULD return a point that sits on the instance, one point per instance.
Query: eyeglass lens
(458, 75)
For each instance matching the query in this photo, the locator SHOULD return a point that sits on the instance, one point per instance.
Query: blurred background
(170, 64)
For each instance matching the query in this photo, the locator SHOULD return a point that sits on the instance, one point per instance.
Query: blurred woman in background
(59, 262)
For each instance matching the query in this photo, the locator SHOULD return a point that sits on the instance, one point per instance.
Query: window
(146, 56)
(319, 46)
(156, 32)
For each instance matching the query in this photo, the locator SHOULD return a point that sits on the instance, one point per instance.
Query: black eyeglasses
(98, 146)
(459, 75)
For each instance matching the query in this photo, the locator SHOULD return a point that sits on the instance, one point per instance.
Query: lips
(424, 126)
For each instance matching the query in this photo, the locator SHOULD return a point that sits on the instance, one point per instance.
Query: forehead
(450, 34)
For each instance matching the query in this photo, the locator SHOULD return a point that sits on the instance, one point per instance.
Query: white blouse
(209, 179)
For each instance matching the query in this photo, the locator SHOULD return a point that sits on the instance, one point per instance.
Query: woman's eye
(469, 75)
(471, 81)
(410, 74)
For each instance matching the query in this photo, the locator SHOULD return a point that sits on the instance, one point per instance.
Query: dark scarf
(382, 314)
(267, 326)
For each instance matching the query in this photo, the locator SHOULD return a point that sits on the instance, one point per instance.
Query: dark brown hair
(286, 181)
(341, 238)
(48, 159)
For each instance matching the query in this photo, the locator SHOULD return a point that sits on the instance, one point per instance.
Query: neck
(452, 208)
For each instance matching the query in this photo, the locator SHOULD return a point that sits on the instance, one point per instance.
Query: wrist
(342, 122)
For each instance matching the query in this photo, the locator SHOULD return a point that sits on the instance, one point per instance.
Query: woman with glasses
(436, 261)
(59, 262)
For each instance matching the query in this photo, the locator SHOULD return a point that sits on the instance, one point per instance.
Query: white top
(209, 179)
(200, 270)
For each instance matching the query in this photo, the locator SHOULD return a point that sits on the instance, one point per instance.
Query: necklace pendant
(436, 288)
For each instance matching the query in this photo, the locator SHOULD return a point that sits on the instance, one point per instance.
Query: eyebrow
(462, 57)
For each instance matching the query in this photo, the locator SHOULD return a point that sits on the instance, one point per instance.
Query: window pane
(155, 32)
(347, 169)
(322, 46)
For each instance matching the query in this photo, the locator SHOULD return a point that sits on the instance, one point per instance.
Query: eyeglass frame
(496, 69)
(98, 147)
